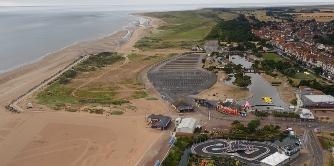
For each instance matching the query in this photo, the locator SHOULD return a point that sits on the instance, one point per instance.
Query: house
(159, 121)
(185, 108)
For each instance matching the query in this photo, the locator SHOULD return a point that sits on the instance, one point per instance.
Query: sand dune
(74, 139)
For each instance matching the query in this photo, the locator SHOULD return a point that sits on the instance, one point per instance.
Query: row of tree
(254, 132)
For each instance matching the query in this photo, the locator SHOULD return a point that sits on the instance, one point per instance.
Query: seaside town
(298, 39)
(206, 87)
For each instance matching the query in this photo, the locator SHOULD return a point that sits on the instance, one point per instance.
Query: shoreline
(56, 62)
(107, 135)
(130, 25)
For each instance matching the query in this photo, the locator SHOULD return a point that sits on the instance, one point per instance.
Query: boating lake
(259, 88)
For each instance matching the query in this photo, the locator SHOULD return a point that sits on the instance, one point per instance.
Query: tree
(290, 72)
(235, 122)
(253, 125)
(318, 70)
(242, 80)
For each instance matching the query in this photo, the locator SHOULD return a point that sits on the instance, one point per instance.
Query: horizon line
(229, 5)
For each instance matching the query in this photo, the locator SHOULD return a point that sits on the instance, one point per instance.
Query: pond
(259, 88)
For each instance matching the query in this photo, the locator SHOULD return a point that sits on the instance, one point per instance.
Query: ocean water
(29, 33)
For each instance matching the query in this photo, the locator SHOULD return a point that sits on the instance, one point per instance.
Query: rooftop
(320, 98)
(163, 121)
(187, 123)
(275, 159)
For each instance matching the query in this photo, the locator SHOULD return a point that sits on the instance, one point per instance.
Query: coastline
(49, 132)
(127, 27)
(52, 64)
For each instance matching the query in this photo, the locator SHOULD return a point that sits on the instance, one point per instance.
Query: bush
(117, 112)
(285, 114)
(242, 80)
(174, 156)
(96, 110)
(119, 102)
(293, 101)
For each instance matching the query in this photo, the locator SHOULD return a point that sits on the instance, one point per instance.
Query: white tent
(276, 159)
(187, 126)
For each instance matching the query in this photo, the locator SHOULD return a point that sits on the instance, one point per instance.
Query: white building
(318, 101)
(306, 114)
(276, 159)
(187, 126)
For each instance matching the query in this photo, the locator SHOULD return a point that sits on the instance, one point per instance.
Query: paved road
(313, 145)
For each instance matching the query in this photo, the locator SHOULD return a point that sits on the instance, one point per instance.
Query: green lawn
(182, 29)
(272, 56)
(140, 94)
(303, 76)
(61, 93)
(227, 15)
(56, 96)
(326, 141)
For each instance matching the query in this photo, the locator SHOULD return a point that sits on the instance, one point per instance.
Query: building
(306, 114)
(159, 121)
(318, 102)
(185, 108)
(187, 126)
(276, 159)
(304, 90)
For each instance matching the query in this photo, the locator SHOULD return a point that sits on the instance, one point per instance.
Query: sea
(28, 33)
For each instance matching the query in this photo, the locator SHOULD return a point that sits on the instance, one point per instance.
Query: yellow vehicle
(267, 100)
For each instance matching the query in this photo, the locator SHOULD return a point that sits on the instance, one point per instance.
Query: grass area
(139, 94)
(326, 140)
(92, 63)
(182, 29)
(272, 56)
(117, 112)
(61, 93)
(56, 95)
(151, 98)
(101, 97)
(304, 76)
(227, 15)
(97, 61)
(260, 15)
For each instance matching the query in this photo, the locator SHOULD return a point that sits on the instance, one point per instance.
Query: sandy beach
(62, 138)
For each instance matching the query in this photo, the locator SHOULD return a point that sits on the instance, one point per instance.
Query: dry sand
(221, 91)
(62, 138)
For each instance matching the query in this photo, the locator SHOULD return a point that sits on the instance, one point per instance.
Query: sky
(153, 2)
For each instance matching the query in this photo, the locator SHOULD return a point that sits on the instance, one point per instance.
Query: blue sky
(154, 2)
